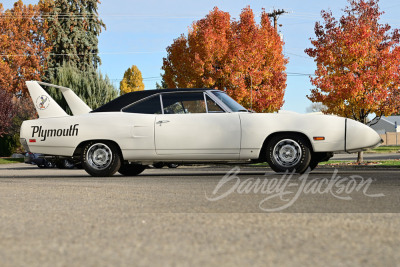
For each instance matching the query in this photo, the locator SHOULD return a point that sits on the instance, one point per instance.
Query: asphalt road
(199, 217)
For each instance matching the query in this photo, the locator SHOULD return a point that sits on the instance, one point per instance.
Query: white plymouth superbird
(184, 125)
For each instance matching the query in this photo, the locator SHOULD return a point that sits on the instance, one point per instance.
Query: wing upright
(47, 107)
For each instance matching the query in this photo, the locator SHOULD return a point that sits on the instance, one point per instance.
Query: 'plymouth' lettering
(45, 133)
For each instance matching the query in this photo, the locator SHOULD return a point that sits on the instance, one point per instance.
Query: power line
(299, 74)
(93, 16)
(298, 55)
(145, 78)
(159, 78)
(85, 54)
(156, 78)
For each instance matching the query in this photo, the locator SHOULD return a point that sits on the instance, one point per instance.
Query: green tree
(91, 86)
(132, 81)
(74, 26)
(163, 85)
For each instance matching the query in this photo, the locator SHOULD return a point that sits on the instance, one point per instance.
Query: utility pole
(275, 14)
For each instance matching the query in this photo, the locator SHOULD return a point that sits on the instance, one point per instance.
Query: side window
(151, 105)
(181, 103)
(213, 107)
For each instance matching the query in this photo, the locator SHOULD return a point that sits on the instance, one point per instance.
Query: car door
(192, 124)
(139, 119)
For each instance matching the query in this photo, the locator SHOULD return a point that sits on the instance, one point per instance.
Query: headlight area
(24, 144)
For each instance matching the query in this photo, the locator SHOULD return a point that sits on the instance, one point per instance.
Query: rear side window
(150, 105)
(182, 103)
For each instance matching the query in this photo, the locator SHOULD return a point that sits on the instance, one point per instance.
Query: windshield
(232, 104)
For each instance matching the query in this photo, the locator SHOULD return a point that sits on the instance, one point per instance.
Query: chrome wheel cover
(287, 153)
(99, 156)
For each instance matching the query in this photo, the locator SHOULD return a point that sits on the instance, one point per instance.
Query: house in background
(388, 128)
(386, 124)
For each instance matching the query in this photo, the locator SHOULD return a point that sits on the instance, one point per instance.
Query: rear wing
(47, 107)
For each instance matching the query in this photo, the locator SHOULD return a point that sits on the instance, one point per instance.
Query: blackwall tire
(158, 165)
(288, 152)
(131, 169)
(101, 159)
(318, 157)
(313, 164)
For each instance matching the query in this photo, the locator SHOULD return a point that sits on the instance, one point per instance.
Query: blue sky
(138, 32)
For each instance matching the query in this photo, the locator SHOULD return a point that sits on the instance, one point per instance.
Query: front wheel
(158, 165)
(288, 152)
(101, 159)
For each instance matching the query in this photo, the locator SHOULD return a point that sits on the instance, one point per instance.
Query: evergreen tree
(74, 26)
(91, 86)
(132, 81)
(163, 85)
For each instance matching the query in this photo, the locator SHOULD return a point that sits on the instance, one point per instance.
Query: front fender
(360, 137)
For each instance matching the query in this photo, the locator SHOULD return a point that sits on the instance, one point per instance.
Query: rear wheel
(288, 152)
(131, 169)
(101, 159)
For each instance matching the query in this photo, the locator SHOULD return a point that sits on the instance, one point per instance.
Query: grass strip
(11, 160)
(384, 149)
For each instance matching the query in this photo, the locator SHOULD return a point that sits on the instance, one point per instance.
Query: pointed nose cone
(360, 136)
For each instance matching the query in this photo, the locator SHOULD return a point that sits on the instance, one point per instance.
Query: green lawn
(383, 163)
(10, 160)
(384, 149)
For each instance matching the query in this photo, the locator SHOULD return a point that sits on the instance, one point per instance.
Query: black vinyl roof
(129, 98)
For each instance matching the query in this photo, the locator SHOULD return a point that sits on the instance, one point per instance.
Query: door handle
(161, 122)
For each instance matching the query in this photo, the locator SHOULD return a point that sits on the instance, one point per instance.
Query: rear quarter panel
(129, 131)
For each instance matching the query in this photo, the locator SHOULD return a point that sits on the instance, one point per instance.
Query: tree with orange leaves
(358, 63)
(241, 57)
(23, 46)
(23, 51)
